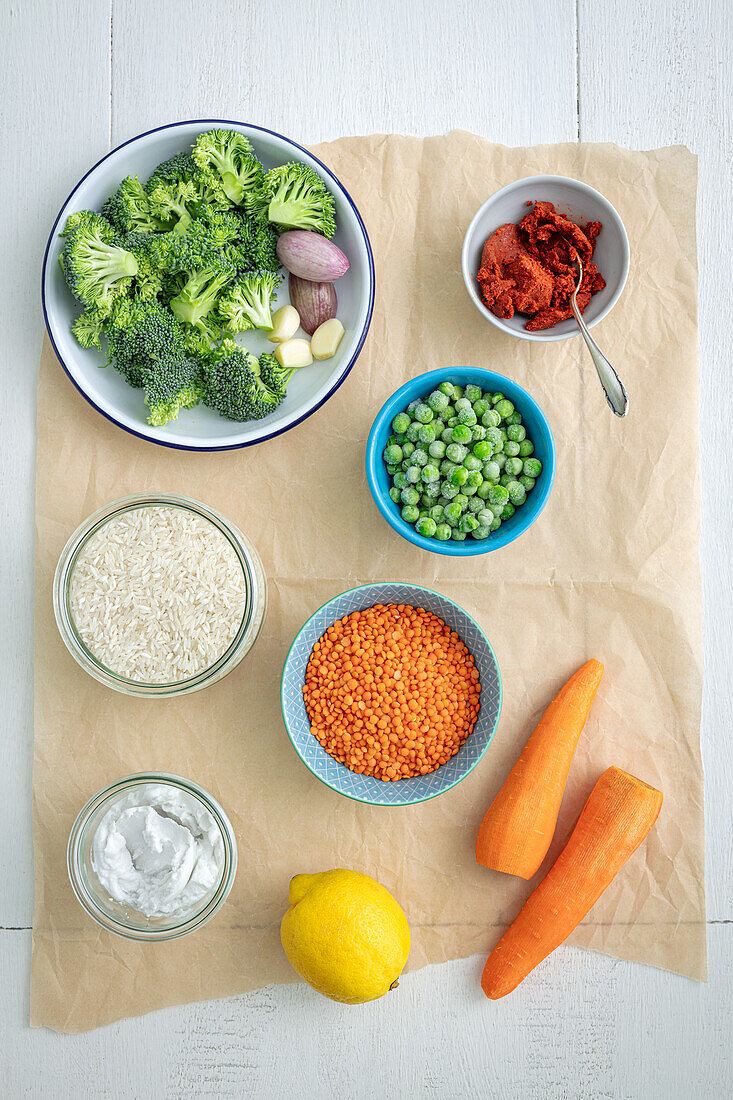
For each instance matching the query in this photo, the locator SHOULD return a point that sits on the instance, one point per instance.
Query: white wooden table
(80, 76)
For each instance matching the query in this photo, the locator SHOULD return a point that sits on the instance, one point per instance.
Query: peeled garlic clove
(326, 339)
(285, 323)
(293, 354)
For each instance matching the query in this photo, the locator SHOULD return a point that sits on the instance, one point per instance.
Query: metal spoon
(613, 387)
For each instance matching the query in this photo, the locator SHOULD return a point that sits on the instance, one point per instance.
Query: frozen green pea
(438, 401)
(468, 523)
(447, 389)
(483, 450)
(475, 504)
(495, 525)
(505, 479)
(500, 459)
(491, 470)
(511, 448)
(442, 532)
(461, 500)
(473, 482)
(462, 403)
(472, 392)
(508, 511)
(452, 513)
(393, 454)
(392, 470)
(408, 448)
(517, 493)
(422, 510)
(410, 513)
(457, 393)
(413, 431)
(496, 398)
(448, 490)
(401, 423)
(480, 407)
(486, 516)
(467, 416)
(461, 433)
(458, 536)
(503, 407)
(430, 493)
(481, 532)
(491, 419)
(426, 434)
(515, 418)
(493, 437)
(514, 466)
(395, 494)
(516, 432)
(498, 495)
(411, 407)
(447, 435)
(437, 449)
(423, 413)
(430, 473)
(472, 462)
(527, 482)
(410, 495)
(419, 457)
(483, 490)
(446, 466)
(400, 480)
(456, 452)
(532, 467)
(437, 512)
(504, 436)
(426, 527)
(526, 448)
(458, 476)
(452, 421)
(413, 474)
(478, 433)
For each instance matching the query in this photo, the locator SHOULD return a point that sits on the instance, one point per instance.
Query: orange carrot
(619, 813)
(518, 826)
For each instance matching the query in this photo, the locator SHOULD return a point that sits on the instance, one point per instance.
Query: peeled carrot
(619, 813)
(518, 826)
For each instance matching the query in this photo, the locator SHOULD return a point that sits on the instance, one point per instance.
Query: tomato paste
(530, 267)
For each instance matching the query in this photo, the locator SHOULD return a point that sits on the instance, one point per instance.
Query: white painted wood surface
(81, 75)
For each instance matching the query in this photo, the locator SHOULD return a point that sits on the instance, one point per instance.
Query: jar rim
(65, 571)
(77, 871)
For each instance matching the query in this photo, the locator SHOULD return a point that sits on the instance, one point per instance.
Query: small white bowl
(581, 204)
(201, 428)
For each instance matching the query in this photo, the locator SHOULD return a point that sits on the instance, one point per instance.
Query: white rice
(157, 594)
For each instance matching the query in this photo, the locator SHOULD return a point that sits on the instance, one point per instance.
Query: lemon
(345, 935)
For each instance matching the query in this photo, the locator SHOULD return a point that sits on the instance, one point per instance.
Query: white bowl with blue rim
(201, 428)
(365, 788)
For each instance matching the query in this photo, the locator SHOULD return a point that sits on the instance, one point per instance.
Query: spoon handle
(613, 387)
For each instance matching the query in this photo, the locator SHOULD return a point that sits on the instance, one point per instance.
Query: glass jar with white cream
(152, 856)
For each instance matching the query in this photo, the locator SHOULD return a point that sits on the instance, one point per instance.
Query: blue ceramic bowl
(364, 788)
(538, 430)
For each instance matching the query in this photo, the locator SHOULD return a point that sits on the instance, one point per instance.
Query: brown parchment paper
(610, 570)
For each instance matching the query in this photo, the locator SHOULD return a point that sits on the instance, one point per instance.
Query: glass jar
(121, 919)
(255, 585)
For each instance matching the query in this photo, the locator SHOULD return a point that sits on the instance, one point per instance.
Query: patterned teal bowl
(364, 788)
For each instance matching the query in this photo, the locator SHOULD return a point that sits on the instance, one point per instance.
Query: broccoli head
(148, 281)
(130, 211)
(179, 169)
(141, 332)
(248, 303)
(171, 384)
(227, 161)
(294, 197)
(88, 328)
(173, 203)
(232, 384)
(98, 269)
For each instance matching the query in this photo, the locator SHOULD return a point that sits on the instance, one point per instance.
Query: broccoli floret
(258, 239)
(141, 333)
(88, 328)
(179, 169)
(248, 304)
(295, 197)
(130, 211)
(173, 203)
(226, 161)
(198, 296)
(274, 376)
(230, 383)
(96, 266)
(171, 385)
(148, 282)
